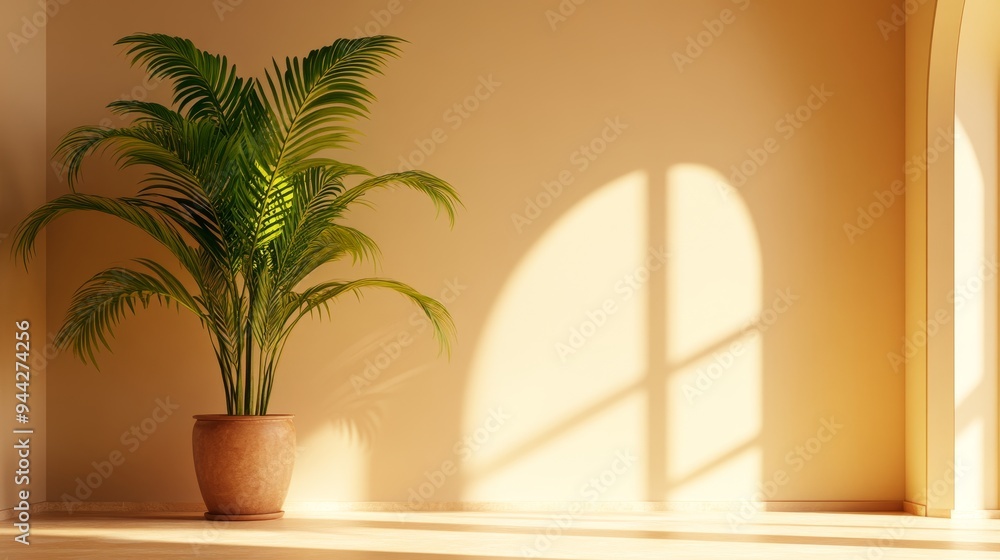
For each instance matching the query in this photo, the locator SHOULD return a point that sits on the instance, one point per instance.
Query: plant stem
(247, 387)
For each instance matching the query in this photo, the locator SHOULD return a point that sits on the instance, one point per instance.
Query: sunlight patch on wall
(970, 488)
(714, 282)
(564, 354)
(970, 244)
(713, 352)
(329, 463)
(975, 256)
(974, 339)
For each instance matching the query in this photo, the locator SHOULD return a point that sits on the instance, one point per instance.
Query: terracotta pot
(244, 464)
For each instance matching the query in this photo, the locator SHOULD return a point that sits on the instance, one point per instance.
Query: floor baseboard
(914, 508)
(492, 507)
(923, 511)
(611, 507)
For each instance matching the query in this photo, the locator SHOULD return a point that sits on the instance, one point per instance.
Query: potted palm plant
(241, 188)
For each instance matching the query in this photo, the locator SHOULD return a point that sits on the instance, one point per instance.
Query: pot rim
(241, 417)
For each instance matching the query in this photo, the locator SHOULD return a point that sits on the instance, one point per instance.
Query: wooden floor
(454, 536)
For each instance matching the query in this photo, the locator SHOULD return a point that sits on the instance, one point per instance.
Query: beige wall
(22, 293)
(827, 301)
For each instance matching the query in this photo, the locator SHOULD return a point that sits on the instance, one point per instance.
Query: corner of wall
(23, 169)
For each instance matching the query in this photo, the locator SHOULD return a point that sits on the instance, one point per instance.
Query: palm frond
(108, 297)
(204, 83)
(311, 99)
(190, 154)
(311, 237)
(319, 297)
(147, 111)
(309, 102)
(442, 194)
(131, 210)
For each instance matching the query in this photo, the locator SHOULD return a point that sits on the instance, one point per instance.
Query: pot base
(243, 517)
